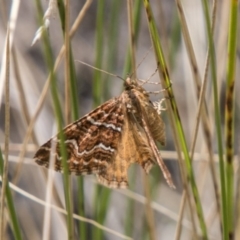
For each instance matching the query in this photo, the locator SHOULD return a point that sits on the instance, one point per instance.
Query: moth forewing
(156, 125)
(166, 173)
(153, 127)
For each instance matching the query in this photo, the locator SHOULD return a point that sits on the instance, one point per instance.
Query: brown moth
(122, 131)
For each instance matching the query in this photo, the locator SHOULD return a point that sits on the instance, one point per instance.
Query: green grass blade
(66, 178)
(75, 116)
(58, 113)
(7, 136)
(229, 114)
(97, 84)
(112, 39)
(127, 70)
(136, 24)
(167, 83)
(10, 204)
(217, 119)
(100, 204)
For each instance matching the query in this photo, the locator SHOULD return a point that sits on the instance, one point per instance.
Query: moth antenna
(148, 80)
(144, 57)
(111, 74)
(140, 62)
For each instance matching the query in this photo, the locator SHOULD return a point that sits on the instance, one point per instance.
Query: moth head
(132, 84)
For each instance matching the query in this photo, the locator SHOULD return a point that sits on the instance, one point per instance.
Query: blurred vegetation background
(199, 52)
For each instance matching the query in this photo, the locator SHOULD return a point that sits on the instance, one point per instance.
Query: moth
(105, 142)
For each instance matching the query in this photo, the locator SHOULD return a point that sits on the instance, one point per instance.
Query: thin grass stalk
(131, 57)
(153, 184)
(175, 40)
(73, 88)
(103, 207)
(7, 133)
(217, 120)
(167, 83)
(46, 86)
(209, 142)
(149, 211)
(132, 39)
(237, 203)
(58, 114)
(128, 69)
(129, 219)
(8, 52)
(62, 210)
(105, 193)
(100, 206)
(10, 205)
(158, 208)
(22, 96)
(79, 18)
(70, 89)
(81, 208)
(71, 95)
(203, 105)
(44, 92)
(66, 178)
(190, 50)
(67, 64)
(206, 128)
(80, 179)
(49, 195)
(204, 115)
(67, 103)
(186, 194)
(61, 12)
(163, 28)
(3, 13)
(229, 113)
(97, 84)
(32, 122)
(181, 212)
(112, 38)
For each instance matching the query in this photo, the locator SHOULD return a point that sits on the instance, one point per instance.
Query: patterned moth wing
(106, 141)
(150, 127)
(91, 142)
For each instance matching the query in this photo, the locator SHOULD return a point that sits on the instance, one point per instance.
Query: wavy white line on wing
(107, 125)
(79, 154)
